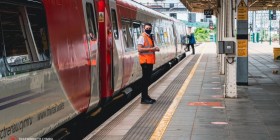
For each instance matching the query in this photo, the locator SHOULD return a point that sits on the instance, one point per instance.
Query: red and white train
(63, 58)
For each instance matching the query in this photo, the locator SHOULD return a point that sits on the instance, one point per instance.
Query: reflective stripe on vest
(147, 57)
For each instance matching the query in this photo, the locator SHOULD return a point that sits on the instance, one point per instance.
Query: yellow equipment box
(276, 52)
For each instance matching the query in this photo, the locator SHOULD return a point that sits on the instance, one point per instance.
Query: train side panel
(31, 96)
(69, 49)
(46, 80)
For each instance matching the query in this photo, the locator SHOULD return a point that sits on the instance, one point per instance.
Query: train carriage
(130, 19)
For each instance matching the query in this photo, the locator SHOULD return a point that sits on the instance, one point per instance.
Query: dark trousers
(147, 70)
(187, 48)
(192, 45)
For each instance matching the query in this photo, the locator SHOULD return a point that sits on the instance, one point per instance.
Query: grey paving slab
(212, 131)
(209, 137)
(176, 138)
(249, 137)
(188, 121)
(245, 129)
(178, 132)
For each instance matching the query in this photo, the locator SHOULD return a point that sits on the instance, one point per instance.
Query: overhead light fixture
(269, 4)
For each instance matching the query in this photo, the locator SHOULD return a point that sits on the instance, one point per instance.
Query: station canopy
(254, 5)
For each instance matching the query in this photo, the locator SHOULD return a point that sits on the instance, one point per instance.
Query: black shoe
(147, 101)
(152, 99)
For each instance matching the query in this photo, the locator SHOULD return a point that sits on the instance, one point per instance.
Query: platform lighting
(269, 4)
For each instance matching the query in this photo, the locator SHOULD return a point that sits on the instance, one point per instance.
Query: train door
(92, 41)
(175, 38)
(117, 59)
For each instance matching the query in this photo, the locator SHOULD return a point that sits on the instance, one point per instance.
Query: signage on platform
(242, 48)
(208, 12)
(242, 12)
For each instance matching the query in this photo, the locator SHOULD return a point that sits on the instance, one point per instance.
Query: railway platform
(191, 105)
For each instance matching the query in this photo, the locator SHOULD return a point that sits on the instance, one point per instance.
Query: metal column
(226, 33)
(220, 25)
(242, 42)
(230, 59)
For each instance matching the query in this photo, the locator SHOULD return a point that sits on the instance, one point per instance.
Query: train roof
(24, 2)
(147, 10)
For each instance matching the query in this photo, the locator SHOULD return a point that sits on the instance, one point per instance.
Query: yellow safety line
(158, 133)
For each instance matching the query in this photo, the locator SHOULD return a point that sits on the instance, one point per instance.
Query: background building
(174, 8)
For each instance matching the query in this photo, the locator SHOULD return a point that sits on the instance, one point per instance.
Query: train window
(24, 37)
(115, 24)
(14, 35)
(127, 33)
(136, 32)
(92, 31)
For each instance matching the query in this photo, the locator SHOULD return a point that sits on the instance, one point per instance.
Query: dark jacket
(191, 39)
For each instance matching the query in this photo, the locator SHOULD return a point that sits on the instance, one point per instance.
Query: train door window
(91, 23)
(165, 35)
(142, 27)
(171, 36)
(136, 32)
(157, 36)
(1, 41)
(161, 35)
(115, 24)
(24, 37)
(127, 34)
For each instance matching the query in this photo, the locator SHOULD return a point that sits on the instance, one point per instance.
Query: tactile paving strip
(145, 126)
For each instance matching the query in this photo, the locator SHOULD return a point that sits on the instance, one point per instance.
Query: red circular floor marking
(205, 104)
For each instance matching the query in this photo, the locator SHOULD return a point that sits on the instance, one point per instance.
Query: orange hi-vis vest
(147, 57)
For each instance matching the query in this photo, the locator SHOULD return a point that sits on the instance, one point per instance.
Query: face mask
(148, 31)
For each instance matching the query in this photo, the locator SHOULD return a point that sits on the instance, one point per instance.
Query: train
(60, 59)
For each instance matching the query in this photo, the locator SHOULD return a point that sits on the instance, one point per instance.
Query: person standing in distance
(147, 59)
(191, 41)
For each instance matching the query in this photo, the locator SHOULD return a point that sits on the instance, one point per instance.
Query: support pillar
(230, 59)
(242, 42)
(220, 26)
